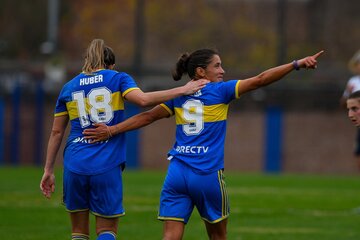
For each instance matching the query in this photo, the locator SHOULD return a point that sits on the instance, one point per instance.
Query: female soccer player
(195, 173)
(353, 106)
(352, 86)
(93, 172)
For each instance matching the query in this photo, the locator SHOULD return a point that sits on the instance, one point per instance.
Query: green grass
(279, 207)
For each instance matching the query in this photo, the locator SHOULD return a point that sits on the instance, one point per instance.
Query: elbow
(262, 80)
(149, 117)
(145, 104)
(55, 133)
(258, 82)
(144, 101)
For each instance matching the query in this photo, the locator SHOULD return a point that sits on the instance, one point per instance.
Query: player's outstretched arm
(145, 99)
(47, 183)
(102, 132)
(274, 74)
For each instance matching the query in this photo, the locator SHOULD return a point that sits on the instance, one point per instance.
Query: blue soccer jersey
(201, 125)
(89, 99)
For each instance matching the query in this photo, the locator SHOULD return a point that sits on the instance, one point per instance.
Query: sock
(107, 235)
(79, 236)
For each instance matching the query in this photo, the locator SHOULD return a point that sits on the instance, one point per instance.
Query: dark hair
(98, 55)
(187, 63)
(355, 94)
(109, 57)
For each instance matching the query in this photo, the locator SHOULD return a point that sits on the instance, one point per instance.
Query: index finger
(89, 131)
(318, 54)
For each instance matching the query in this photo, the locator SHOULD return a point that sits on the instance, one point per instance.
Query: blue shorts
(101, 194)
(183, 189)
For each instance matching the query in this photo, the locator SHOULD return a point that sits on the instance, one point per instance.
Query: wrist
(108, 132)
(182, 90)
(49, 170)
(295, 64)
(112, 130)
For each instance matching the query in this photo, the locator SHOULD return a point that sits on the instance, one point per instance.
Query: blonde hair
(354, 62)
(98, 56)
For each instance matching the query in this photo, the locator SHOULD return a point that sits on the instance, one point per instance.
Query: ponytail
(98, 56)
(181, 66)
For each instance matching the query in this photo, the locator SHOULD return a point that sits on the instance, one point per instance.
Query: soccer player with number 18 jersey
(93, 172)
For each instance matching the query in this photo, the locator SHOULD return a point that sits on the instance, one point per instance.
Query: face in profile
(214, 71)
(353, 106)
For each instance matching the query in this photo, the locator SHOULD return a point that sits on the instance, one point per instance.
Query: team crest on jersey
(197, 94)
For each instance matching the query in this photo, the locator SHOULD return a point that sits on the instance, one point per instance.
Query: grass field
(291, 207)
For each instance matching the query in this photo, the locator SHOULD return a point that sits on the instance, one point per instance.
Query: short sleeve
(60, 107)
(169, 106)
(228, 90)
(127, 83)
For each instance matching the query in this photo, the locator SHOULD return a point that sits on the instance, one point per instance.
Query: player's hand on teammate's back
(195, 85)
(99, 133)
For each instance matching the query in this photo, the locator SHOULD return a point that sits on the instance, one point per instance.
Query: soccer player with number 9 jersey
(195, 176)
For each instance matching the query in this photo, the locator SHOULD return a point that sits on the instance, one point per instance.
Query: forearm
(135, 122)
(157, 97)
(52, 150)
(274, 74)
(102, 132)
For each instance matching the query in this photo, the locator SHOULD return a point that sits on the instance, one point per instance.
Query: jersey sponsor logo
(83, 140)
(192, 149)
(91, 80)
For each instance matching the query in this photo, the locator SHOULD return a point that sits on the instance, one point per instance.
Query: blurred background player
(353, 106)
(195, 173)
(352, 86)
(93, 172)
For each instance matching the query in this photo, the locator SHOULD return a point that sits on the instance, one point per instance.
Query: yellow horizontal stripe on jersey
(117, 103)
(212, 113)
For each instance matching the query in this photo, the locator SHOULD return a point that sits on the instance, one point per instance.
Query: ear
(200, 72)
